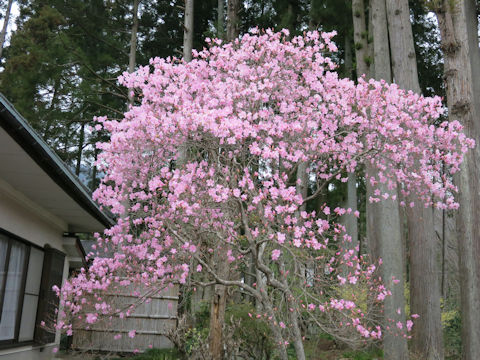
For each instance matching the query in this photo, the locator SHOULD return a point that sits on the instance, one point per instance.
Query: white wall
(28, 220)
(28, 353)
(22, 217)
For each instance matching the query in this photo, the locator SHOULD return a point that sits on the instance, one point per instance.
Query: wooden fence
(151, 321)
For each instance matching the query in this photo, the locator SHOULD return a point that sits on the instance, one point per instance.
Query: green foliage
(202, 315)
(253, 335)
(61, 67)
(452, 324)
(194, 338)
(197, 335)
(368, 60)
(374, 353)
(292, 355)
(158, 354)
(406, 291)
(259, 13)
(161, 27)
(358, 293)
(427, 48)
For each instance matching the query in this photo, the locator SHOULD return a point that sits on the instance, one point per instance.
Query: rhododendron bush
(207, 164)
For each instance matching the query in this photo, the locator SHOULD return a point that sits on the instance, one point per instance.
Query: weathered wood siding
(151, 321)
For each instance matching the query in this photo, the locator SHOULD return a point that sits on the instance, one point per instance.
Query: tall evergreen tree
(458, 22)
(385, 216)
(424, 280)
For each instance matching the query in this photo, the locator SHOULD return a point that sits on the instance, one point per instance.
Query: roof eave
(18, 128)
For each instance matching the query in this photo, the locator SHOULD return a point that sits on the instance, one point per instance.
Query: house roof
(29, 165)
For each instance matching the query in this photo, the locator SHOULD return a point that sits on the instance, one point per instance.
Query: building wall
(28, 353)
(22, 217)
(28, 220)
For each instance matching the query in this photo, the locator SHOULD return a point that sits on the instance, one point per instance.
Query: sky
(11, 23)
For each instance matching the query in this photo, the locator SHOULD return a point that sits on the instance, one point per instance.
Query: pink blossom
(409, 325)
(91, 318)
(276, 254)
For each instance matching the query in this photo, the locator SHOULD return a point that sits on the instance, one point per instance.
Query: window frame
(10, 343)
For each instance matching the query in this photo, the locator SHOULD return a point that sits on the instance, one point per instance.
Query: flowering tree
(207, 164)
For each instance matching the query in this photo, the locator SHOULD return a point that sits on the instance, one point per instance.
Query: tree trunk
(133, 46)
(217, 313)
(93, 183)
(361, 50)
(381, 47)
(348, 60)
(293, 316)
(360, 37)
(3, 34)
(427, 341)
(312, 23)
(444, 258)
(233, 21)
(424, 285)
(297, 336)
(302, 183)
(188, 31)
(351, 222)
(472, 13)
(220, 19)
(80, 150)
(187, 57)
(280, 346)
(458, 26)
(387, 243)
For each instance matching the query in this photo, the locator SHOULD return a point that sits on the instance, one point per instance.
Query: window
(20, 275)
(13, 267)
(32, 292)
(27, 275)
